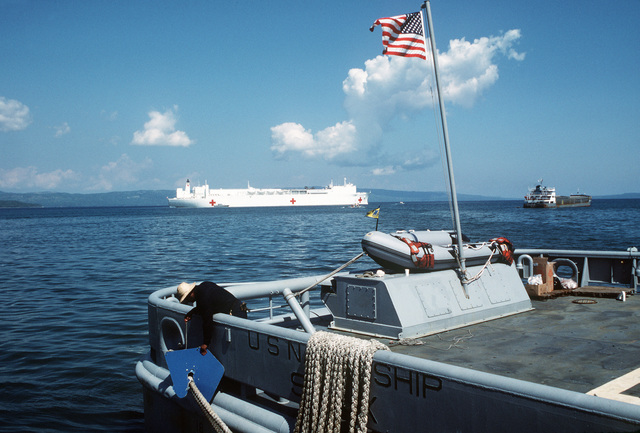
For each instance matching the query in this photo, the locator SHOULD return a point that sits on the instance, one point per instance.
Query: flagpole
(454, 198)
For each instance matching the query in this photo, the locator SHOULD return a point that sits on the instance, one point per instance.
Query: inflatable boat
(428, 250)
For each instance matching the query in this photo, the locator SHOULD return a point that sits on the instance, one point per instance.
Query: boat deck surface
(561, 343)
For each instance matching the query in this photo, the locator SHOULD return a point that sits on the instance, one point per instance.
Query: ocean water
(74, 283)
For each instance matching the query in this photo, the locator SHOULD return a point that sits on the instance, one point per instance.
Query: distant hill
(15, 203)
(159, 198)
(387, 195)
(628, 195)
(106, 199)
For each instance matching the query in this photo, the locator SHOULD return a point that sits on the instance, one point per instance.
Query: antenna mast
(454, 198)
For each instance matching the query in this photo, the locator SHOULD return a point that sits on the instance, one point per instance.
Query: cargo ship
(545, 197)
(331, 195)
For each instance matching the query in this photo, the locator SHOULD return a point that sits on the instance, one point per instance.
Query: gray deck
(563, 344)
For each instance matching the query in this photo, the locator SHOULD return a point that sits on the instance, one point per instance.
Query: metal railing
(615, 268)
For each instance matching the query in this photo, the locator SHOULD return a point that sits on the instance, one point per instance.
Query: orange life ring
(505, 247)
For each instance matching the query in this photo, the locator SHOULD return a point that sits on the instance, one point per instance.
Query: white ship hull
(332, 195)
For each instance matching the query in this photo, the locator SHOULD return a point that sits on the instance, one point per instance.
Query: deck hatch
(435, 301)
(361, 302)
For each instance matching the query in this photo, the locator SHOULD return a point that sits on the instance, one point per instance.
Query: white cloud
(328, 143)
(415, 162)
(506, 44)
(29, 177)
(122, 174)
(14, 115)
(111, 116)
(62, 129)
(390, 87)
(468, 67)
(384, 171)
(161, 131)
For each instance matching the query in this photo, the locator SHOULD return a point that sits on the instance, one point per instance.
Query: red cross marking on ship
(359, 199)
(213, 203)
(293, 201)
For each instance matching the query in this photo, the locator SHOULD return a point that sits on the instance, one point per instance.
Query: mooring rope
(484, 267)
(337, 379)
(211, 416)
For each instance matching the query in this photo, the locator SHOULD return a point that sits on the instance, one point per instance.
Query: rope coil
(337, 379)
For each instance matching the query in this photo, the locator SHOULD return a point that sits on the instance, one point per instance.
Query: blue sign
(206, 371)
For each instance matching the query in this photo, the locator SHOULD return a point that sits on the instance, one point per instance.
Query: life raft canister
(421, 253)
(505, 247)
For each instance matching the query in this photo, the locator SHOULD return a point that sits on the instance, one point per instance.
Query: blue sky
(100, 96)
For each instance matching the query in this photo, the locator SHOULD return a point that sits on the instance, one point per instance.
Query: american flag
(402, 35)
